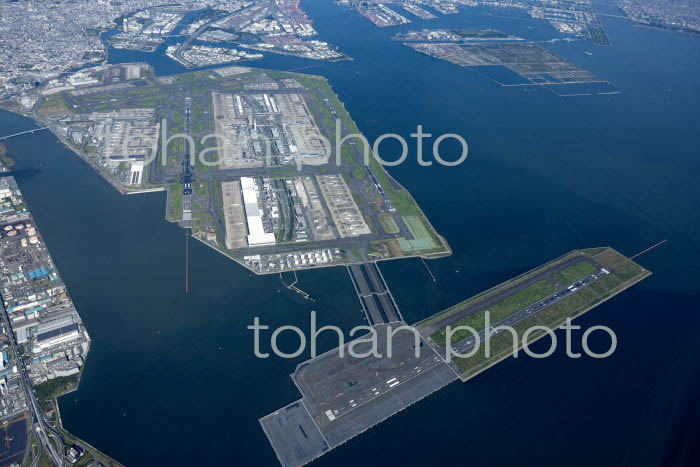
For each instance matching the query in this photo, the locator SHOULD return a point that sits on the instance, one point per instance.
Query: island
(506, 59)
(575, 18)
(345, 394)
(261, 165)
(268, 168)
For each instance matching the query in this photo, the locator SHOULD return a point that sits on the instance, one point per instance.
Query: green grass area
(56, 387)
(422, 240)
(624, 273)
(498, 311)
(146, 102)
(218, 195)
(356, 253)
(376, 249)
(178, 119)
(198, 126)
(221, 241)
(102, 107)
(404, 204)
(84, 461)
(574, 272)
(202, 190)
(552, 317)
(54, 104)
(5, 156)
(626, 270)
(205, 156)
(281, 234)
(176, 152)
(191, 77)
(200, 220)
(44, 460)
(350, 159)
(388, 223)
(359, 200)
(359, 172)
(496, 289)
(174, 202)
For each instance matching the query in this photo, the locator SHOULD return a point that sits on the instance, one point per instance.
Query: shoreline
(90, 449)
(395, 185)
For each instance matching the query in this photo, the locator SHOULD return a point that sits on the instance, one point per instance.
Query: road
(39, 424)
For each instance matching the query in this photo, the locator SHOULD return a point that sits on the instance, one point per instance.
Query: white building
(256, 233)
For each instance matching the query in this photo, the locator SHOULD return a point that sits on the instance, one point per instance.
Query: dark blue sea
(171, 378)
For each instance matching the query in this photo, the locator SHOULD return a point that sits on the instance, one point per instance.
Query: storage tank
(19, 226)
(11, 233)
(31, 231)
(8, 227)
(33, 240)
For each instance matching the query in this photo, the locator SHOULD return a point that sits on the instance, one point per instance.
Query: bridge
(377, 302)
(3, 138)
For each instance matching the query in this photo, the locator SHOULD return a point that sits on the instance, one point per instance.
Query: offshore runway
(349, 389)
(345, 396)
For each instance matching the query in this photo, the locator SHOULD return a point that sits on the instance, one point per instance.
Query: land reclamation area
(265, 166)
(344, 394)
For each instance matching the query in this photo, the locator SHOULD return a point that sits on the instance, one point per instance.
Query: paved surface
(377, 302)
(471, 309)
(345, 396)
(464, 345)
(293, 435)
(38, 423)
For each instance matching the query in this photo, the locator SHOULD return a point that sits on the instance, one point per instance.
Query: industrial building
(42, 316)
(256, 232)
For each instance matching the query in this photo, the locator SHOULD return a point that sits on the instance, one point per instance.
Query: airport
(346, 392)
(244, 159)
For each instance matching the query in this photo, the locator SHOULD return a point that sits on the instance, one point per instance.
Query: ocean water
(172, 380)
